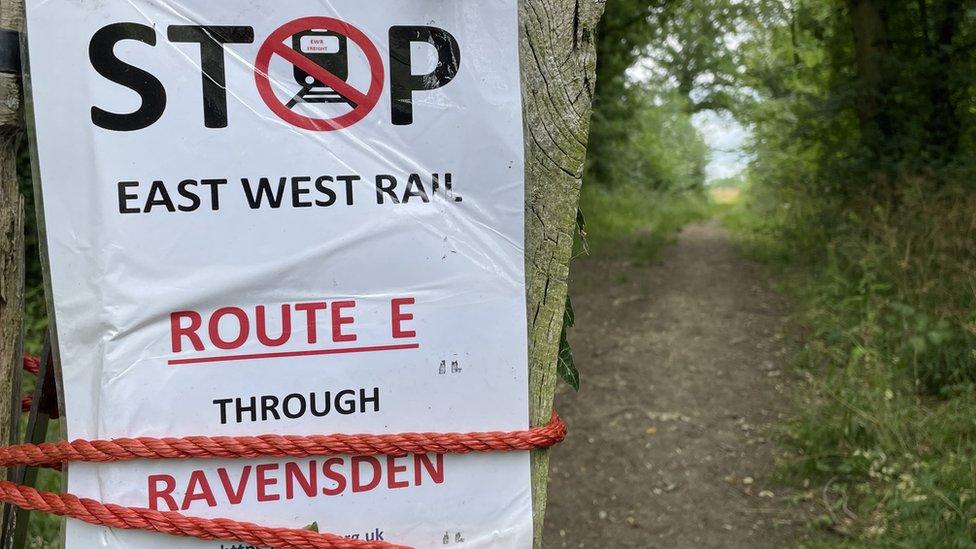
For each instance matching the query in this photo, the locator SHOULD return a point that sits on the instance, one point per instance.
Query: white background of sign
(116, 277)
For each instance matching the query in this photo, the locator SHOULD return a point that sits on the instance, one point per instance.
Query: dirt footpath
(684, 369)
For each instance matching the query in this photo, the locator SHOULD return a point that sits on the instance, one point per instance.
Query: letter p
(402, 80)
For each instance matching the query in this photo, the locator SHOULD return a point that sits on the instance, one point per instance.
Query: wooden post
(558, 59)
(11, 238)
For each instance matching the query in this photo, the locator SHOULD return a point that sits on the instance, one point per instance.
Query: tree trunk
(11, 239)
(943, 124)
(558, 69)
(870, 47)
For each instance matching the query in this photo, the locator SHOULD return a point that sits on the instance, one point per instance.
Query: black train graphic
(326, 49)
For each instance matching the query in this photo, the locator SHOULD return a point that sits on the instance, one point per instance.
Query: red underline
(288, 354)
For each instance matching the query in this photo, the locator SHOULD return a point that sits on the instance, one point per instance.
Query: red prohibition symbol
(362, 103)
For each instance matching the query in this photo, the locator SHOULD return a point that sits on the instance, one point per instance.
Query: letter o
(243, 323)
(287, 409)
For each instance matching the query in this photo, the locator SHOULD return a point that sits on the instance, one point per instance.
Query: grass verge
(637, 222)
(885, 433)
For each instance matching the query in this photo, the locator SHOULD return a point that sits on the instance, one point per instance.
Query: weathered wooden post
(11, 227)
(558, 66)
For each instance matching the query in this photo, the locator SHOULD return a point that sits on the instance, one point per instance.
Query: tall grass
(635, 221)
(886, 424)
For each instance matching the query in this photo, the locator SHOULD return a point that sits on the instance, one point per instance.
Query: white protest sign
(293, 217)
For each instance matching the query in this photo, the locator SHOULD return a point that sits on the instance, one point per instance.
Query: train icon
(326, 49)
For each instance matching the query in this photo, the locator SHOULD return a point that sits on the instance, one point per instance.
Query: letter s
(101, 50)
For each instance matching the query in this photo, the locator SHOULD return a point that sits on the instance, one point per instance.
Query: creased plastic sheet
(305, 218)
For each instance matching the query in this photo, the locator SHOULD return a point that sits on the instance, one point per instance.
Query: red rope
(122, 449)
(176, 524)
(32, 364)
(52, 454)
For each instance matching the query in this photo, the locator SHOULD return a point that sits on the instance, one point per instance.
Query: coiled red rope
(52, 454)
(177, 524)
(32, 364)
(205, 447)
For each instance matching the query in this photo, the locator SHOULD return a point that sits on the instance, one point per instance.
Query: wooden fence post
(11, 237)
(558, 63)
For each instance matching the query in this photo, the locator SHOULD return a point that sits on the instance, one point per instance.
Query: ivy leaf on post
(566, 366)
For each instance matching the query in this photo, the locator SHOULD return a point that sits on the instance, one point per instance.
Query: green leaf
(581, 230)
(918, 343)
(313, 527)
(565, 365)
(569, 317)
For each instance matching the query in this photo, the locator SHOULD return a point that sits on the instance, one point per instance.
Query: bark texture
(869, 28)
(11, 235)
(557, 50)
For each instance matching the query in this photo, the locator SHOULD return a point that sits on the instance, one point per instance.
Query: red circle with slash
(363, 102)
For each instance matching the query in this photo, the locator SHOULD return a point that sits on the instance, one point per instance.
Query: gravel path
(685, 370)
